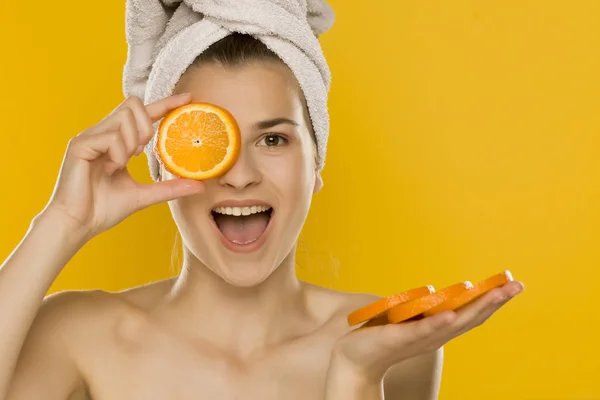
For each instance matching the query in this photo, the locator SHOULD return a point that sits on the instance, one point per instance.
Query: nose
(244, 173)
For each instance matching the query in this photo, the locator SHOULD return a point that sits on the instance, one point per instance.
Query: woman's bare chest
(162, 367)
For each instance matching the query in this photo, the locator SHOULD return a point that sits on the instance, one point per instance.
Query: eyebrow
(274, 122)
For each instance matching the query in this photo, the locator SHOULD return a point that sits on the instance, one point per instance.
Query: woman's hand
(362, 357)
(94, 190)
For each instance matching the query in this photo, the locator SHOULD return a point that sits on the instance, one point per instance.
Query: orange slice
(471, 294)
(379, 307)
(198, 141)
(412, 308)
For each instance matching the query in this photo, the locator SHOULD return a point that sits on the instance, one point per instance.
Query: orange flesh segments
(410, 309)
(379, 307)
(469, 295)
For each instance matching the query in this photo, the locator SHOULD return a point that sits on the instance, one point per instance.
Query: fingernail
(139, 150)
(184, 94)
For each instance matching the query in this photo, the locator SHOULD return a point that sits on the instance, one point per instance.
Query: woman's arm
(418, 378)
(94, 192)
(345, 382)
(25, 278)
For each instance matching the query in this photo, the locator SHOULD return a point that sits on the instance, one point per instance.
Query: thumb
(159, 192)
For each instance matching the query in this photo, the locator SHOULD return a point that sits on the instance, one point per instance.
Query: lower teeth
(243, 243)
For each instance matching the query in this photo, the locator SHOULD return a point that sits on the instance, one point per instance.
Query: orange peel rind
(469, 295)
(380, 307)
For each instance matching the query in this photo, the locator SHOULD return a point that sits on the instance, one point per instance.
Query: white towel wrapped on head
(166, 36)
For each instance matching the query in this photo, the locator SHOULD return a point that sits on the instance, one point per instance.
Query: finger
(480, 310)
(146, 116)
(154, 112)
(139, 150)
(143, 124)
(112, 121)
(424, 330)
(92, 147)
(160, 108)
(127, 125)
(131, 118)
(427, 328)
(159, 192)
(142, 121)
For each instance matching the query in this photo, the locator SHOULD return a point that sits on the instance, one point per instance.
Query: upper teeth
(241, 210)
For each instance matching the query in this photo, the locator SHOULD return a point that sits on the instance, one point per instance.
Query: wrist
(60, 228)
(345, 381)
(49, 243)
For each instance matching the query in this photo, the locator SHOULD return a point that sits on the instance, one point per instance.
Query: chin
(242, 243)
(246, 269)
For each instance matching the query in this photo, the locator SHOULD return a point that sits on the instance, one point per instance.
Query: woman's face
(275, 172)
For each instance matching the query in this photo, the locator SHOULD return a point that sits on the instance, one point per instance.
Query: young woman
(236, 323)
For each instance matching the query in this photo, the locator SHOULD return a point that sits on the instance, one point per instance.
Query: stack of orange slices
(425, 301)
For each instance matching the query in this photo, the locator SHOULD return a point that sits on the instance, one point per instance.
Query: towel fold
(165, 37)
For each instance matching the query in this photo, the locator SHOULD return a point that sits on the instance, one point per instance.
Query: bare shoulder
(90, 306)
(69, 329)
(69, 312)
(82, 321)
(334, 305)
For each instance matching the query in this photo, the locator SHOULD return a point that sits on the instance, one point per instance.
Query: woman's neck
(243, 319)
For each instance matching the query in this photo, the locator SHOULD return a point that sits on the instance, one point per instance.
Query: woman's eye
(273, 140)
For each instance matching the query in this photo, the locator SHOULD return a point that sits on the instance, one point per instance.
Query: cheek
(185, 210)
(181, 216)
(182, 209)
(189, 214)
(292, 175)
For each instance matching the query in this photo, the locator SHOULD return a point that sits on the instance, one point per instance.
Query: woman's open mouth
(242, 226)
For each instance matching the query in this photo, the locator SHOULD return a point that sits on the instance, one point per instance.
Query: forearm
(25, 278)
(345, 383)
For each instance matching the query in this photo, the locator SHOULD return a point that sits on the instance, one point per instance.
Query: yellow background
(465, 139)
